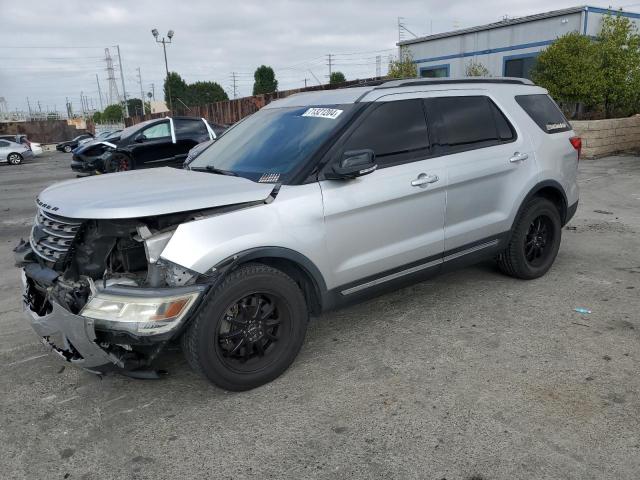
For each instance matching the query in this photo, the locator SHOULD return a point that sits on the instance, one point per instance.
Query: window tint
(544, 112)
(396, 131)
(3, 143)
(190, 128)
(463, 123)
(157, 131)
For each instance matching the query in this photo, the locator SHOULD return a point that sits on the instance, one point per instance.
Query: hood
(143, 193)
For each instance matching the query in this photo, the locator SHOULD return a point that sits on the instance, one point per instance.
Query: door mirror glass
(141, 138)
(354, 163)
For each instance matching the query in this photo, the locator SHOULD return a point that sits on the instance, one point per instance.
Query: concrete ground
(469, 375)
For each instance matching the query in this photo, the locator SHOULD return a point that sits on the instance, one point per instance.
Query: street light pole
(166, 63)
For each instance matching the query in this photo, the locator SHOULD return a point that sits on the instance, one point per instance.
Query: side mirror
(140, 138)
(354, 163)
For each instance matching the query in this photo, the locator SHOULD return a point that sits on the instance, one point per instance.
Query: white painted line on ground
(25, 360)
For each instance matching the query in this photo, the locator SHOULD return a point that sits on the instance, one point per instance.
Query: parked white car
(13, 153)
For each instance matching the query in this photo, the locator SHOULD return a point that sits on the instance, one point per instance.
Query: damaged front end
(99, 294)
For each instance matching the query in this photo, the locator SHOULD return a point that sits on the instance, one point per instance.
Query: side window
(190, 129)
(3, 143)
(159, 130)
(465, 123)
(396, 131)
(544, 112)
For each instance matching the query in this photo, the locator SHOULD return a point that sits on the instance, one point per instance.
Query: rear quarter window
(544, 112)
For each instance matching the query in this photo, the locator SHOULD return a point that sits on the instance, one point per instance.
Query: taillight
(576, 142)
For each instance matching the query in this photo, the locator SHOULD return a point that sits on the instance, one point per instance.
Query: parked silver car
(13, 153)
(317, 200)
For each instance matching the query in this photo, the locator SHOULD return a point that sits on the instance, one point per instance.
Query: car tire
(534, 241)
(14, 159)
(67, 149)
(249, 328)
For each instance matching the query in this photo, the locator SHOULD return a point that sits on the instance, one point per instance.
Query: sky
(53, 50)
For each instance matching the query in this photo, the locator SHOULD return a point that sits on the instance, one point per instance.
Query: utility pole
(141, 91)
(164, 42)
(124, 91)
(99, 92)
(233, 79)
(305, 83)
(153, 91)
(329, 63)
(29, 107)
(39, 107)
(378, 66)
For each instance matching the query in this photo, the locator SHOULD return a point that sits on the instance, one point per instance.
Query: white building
(506, 48)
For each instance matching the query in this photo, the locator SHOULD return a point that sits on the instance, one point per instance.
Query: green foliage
(97, 117)
(403, 67)
(135, 106)
(337, 77)
(178, 88)
(618, 47)
(601, 74)
(264, 80)
(202, 93)
(112, 114)
(476, 69)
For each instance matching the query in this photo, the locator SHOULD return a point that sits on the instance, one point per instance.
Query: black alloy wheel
(534, 242)
(253, 331)
(249, 328)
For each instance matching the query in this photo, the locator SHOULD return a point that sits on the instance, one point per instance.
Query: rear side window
(396, 131)
(193, 129)
(544, 112)
(466, 123)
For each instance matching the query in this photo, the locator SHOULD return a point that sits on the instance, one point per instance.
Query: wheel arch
(298, 266)
(552, 191)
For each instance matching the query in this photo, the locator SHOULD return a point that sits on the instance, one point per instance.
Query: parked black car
(71, 144)
(154, 143)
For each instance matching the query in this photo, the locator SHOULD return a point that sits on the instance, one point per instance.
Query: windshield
(273, 141)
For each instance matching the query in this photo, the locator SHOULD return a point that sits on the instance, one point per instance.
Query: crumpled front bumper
(70, 336)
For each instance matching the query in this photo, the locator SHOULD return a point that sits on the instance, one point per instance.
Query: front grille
(52, 235)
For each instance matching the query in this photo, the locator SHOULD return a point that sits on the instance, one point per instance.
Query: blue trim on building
(612, 12)
(486, 52)
(446, 66)
(515, 57)
(586, 20)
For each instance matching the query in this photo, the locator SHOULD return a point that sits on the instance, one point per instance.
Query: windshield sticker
(269, 178)
(555, 126)
(331, 113)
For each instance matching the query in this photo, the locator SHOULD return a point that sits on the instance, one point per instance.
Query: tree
(337, 77)
(476, 69)
(112, 114)
(601, 74)
(568, 68)
(178, 89)
(265, 80)
(97, 117)
(403, 67)
(618, 49)
(202, 93)
(135, 106)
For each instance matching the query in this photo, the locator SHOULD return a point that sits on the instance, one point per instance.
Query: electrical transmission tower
(114, 95)
(233, 81)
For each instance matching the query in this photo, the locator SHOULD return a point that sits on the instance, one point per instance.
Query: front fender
(293, 221)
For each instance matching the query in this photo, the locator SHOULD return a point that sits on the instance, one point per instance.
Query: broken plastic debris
(582, 310)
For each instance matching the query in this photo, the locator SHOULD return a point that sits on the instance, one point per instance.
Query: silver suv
(317, 200)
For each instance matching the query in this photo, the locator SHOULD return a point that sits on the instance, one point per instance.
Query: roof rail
(405, 82)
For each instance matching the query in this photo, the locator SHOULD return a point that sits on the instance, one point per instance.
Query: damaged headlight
(150, 315)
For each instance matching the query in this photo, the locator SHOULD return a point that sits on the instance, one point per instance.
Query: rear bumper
(571, 211)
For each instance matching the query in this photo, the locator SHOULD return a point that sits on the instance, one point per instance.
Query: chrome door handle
(518, 157)
(423, 180)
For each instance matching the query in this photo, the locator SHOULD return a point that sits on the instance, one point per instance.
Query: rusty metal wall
(45, 131)
(229, 112)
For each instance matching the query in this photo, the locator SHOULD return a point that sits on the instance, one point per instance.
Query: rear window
(464, 123)
(544, 112)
